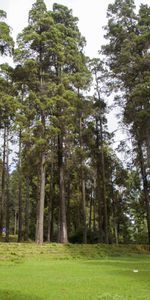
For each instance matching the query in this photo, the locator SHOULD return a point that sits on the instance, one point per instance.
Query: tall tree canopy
(68, 183)
(128, 57)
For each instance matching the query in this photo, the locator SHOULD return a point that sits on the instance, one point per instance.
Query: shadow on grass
(12, 295)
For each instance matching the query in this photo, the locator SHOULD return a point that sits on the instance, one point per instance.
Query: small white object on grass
(135, 271)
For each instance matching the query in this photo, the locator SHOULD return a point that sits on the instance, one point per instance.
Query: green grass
(73, 272)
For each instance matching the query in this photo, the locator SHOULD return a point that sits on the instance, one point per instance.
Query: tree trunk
(52, 215)
(41, 199)
(15, 223)
(114, 214)
(84, 208)
(68, 208)
(91, 216)
(50, 205)
(40, 221)
(83, 194)
(49, 221)
(94, 216)
(145, 187)
(98, 185)
(19, 192)
(104, 185)
(148, 150)
(2, 200)
(63, 236)
(27, 207)
(7, 188)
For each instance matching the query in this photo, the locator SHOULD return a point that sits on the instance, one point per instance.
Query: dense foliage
(68, 183)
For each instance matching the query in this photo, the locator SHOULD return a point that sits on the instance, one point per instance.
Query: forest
(67, 183)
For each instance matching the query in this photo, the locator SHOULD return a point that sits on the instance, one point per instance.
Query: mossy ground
(73, 272)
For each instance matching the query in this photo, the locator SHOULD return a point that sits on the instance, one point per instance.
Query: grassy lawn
(28, 272)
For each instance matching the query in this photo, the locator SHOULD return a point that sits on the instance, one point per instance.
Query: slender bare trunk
(50, 205)
(52, 215)
(19, 192)
(148, 149)
(84, 208)
(41, 201)
(91, 216)
(7, 187)
(63, 235)
(2, 199)
(98, 185)
(27, 206)
(104, 185)
(83, 192)
(15, 223)
(40, 223)
(38, 203)
(94, 216)
(49, 222)
(68, 208)
(145, 187)
(114, 212)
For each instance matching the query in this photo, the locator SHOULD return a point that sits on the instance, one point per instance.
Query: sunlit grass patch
(73, 272)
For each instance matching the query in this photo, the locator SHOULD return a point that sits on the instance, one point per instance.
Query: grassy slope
(73, 272)
(21, 250)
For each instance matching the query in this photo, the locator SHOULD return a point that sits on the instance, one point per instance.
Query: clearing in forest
(58, 272)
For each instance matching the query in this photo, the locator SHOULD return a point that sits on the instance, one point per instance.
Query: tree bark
(68, 208)
(52, 214)
(114, 213)
(84, 207)
(15, 223)
(7, 188)
(2, 199)
(145, 188)
(104, 185)
(91, 216)
(98, 185)
(27, 207)
(83, 193)
(19, 192)
(40, 221)
(63, 235)
(148, 150)
(50, 205)
(41, 202)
